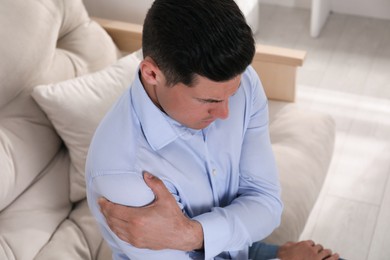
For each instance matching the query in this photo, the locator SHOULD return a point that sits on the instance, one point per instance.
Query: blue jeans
(263, 251)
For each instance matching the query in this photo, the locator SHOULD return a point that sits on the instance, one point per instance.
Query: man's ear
(150, 72)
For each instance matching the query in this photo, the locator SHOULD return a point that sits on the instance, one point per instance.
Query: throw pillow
(76, 106)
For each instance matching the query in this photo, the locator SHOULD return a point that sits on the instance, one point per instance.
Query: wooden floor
(346, 74)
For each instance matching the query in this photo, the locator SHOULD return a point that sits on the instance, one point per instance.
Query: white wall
(370, 8)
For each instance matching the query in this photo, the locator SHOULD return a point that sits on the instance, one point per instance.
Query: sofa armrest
(127, 36)
(277, 67)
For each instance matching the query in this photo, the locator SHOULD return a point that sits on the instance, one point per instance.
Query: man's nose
(221, 110)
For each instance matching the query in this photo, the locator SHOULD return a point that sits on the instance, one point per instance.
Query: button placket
(212, 173)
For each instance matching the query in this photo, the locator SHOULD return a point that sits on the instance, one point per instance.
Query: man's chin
(205, 123)
(201, 124)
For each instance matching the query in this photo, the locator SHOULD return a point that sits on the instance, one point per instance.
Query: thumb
(156, 185)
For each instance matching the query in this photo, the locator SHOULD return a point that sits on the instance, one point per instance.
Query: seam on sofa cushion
(5, 250)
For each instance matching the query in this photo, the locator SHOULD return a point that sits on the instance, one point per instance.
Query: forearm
(238, 225)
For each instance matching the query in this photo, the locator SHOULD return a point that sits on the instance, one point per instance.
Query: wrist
(198, 236)
(193, 236)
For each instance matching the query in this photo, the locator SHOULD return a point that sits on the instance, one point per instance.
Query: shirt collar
(159, 129)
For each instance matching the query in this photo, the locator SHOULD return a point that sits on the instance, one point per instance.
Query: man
(186, 149)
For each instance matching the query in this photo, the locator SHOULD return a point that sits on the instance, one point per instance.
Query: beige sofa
(59, 73)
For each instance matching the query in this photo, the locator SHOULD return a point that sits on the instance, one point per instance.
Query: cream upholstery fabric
(42, 41)
(31, 55)
(29, 222)
(303, 145)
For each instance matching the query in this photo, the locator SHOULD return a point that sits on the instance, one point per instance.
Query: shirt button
(214, 172)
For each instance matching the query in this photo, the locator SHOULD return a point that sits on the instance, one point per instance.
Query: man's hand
(305, 250)
(159, 225)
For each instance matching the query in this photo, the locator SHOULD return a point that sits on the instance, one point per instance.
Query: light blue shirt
(223, 176)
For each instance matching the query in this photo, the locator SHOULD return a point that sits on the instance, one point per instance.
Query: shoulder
(115, 139)
(251, 75)
(252, 85)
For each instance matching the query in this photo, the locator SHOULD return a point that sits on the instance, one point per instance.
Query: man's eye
(203, 101)
(209, 101)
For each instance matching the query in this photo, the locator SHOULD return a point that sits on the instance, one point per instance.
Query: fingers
(116, 218)
(325, 253)
(318, 248)
(288, 244)
(104, 206)
(116, 225)
(106, 209)
(148, 175)
(112, 210)
(321, 251)
(102, 201)
(156, 185)
(333, 257)
(310, 242)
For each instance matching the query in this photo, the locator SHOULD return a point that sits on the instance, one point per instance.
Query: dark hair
(209, 38)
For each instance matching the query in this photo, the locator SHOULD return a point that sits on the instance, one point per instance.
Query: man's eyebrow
(211, 100)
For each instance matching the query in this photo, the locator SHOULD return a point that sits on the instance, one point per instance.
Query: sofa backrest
(42, 41)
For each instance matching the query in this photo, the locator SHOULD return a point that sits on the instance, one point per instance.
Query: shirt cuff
(216, 233)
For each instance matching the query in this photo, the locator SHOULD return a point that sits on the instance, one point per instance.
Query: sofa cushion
(29, 222)
(302, 142)
(76, 106)
(78, 237)
(42, 41)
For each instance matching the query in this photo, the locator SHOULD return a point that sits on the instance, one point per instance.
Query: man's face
(199, 105)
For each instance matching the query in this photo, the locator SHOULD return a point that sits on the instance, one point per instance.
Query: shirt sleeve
(130, 190)
(256, 211)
